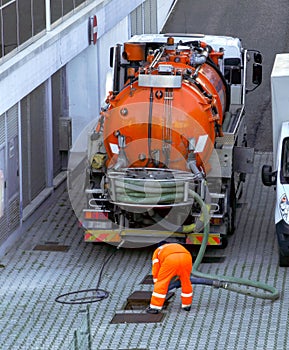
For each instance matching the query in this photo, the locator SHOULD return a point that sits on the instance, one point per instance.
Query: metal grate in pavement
(139, 300)
(137, 318)
(52, 247)
(148, 279)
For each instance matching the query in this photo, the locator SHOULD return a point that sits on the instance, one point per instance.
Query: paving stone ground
(31, 279)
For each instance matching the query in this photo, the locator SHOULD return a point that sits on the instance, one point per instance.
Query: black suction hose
(203, 281)
(87, 296)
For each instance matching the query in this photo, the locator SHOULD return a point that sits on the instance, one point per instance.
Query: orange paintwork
(134, 51)
(178, 114)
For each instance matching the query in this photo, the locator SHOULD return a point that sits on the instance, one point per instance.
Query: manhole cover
(139, 300)
(137, 318)
(140, 295)
(52, 247)
(148, 279)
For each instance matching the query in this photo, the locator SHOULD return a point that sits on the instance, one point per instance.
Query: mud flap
(243, 160)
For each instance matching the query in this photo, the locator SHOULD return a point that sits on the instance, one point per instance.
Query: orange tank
(166, 111)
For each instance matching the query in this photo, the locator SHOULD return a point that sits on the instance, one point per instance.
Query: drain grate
(148, 279)
(139, 300)
(52, 247)
(137, 318)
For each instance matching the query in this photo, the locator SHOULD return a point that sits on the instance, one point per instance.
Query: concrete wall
(87, 77)
(31, 67)
(88, 73)
(164, 8)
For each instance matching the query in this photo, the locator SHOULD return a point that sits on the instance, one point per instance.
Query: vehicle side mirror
(268, 177)
(258, 57)
(257, 74)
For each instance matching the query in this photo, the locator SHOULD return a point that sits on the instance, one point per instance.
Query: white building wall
(87, 69)
(82, 91)
(119, 34)
(35, 64)
(32, 66)
(88, 75)
(164, 8)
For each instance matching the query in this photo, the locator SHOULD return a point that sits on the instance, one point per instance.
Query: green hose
(147, 191)
(241, 281)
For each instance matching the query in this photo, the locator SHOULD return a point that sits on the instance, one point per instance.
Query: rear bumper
(148, 236)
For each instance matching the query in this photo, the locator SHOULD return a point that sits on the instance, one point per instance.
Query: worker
(168, 261)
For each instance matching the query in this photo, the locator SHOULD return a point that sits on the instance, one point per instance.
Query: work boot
(187, 308)
(151, 310)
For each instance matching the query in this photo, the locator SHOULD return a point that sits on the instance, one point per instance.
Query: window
(144, 18)
(20, 20)
(285, 162)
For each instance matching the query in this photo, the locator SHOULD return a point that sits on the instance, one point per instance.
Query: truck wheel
(267, 176)
(283, 260)
(283, 243)
(224, 243)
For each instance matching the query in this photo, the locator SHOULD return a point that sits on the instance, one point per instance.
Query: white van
(278, 174)
(280, 179)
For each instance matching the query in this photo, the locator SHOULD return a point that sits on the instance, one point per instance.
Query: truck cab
(277, 175)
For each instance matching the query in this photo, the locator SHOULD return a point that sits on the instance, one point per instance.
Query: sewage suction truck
(172, 126)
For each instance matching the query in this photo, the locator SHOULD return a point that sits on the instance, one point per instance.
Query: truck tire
(283, 260)
(283, 243)
(267, 176)
(224, 242)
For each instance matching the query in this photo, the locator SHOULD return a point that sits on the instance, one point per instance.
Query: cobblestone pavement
(31, 280)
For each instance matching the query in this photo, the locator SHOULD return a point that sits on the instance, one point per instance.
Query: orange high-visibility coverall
(171, 260)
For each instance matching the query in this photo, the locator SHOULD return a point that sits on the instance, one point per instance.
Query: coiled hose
(164, 192)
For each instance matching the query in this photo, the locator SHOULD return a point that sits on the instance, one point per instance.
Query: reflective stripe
(161, 247)
(155, 280)
(159, 295)
(186, 305)
(187, 295)
(155, 261)
(155, 307)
